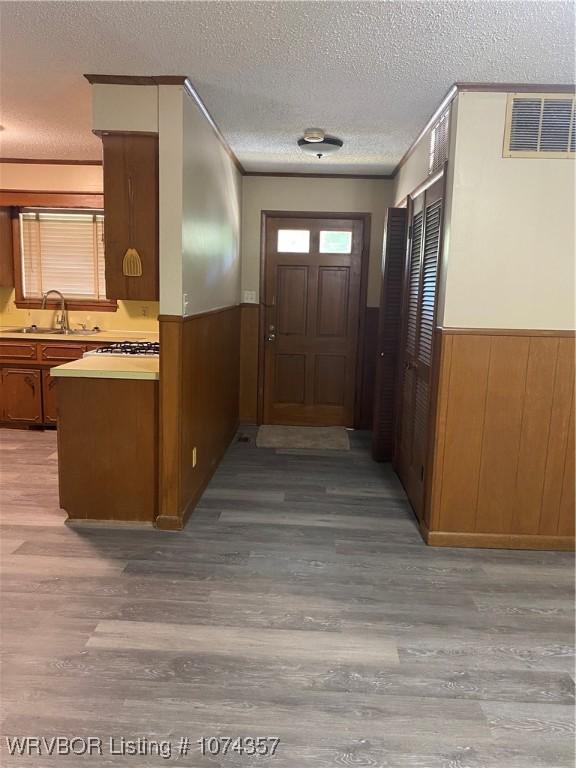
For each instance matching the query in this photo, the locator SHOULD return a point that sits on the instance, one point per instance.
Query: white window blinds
(63, 250)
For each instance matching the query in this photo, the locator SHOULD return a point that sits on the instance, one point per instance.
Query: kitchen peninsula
(108, 438)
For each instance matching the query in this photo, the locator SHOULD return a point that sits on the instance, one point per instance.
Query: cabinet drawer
(17, 350)
(60, 351)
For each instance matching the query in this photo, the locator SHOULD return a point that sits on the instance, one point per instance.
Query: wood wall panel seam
(482, 436)
(562, 421)
(568, 484)
(540, 377)
(442, 450)
(523, 416)
(548, 436)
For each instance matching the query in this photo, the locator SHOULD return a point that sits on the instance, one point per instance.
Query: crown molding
(189, 90)
(41, 161)
(195, 96)
(136, 79)
(280, 174)
(518, 87)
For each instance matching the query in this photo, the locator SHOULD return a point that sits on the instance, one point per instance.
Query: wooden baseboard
(169, 523)
(75, 522)
(496, 540)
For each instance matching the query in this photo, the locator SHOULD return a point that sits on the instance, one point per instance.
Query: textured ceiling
(368, 72)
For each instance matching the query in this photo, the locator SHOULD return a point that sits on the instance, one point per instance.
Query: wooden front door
(419, 311)
(311, 312)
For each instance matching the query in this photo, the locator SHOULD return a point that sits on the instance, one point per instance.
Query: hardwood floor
(299, 602)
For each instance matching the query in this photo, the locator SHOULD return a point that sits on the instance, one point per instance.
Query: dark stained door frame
(366, 220)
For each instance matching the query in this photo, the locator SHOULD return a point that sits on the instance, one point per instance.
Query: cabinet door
(49, 405)
(22, 395)
(131, 213)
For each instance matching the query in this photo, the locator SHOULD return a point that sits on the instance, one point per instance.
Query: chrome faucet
(63, 322)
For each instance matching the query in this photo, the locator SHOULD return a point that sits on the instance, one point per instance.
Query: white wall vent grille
(539, 125)
(439, 138)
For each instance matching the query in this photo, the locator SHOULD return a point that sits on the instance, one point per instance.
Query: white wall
(512, 244)
(170, 186)
(272, 193)
(211, 202)
(200, 193)
(414, 170)
(125, 108)
(44, 177)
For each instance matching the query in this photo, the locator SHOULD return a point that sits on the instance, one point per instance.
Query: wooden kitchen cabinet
(60, 352)
(6, 251)
(131, 213)
(21, 395)
(27, 391)
(49, 405)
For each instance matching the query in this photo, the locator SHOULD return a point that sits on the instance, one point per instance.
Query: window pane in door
(293, 241)
(335, 241)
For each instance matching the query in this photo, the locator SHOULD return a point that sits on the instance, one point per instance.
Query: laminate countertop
(104, 367)
(101, 336)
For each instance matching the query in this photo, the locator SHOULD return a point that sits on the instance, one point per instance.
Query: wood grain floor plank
(299, 600)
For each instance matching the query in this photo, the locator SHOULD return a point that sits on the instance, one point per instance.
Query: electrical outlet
(194, 457)
(144, 310)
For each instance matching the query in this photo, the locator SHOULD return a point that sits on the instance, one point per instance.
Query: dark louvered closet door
(419, 311)
(406, 376)
(389, 323)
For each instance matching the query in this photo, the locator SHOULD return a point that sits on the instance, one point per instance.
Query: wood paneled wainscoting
(503, 444)
(199, 395)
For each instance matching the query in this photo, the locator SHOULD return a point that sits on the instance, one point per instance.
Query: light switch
(185, 304)
(249, 297)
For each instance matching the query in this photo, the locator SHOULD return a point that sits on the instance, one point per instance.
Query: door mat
(311, 438)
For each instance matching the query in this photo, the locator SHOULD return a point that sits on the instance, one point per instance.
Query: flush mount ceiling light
(315, 142)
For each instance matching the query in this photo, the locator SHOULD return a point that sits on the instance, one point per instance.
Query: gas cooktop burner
(137, 348)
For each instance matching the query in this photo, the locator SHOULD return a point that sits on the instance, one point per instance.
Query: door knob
(271, 337)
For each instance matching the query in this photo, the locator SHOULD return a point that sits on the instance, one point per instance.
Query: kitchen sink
(35, 329)
(57, 331)
(81, 331)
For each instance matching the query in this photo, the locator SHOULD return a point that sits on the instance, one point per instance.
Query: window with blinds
(540, 125)
(63, 250)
